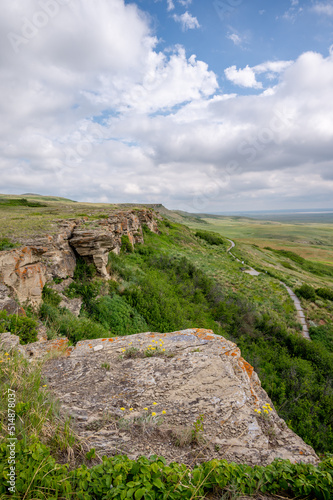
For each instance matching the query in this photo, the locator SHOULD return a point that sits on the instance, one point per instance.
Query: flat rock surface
(143, 405)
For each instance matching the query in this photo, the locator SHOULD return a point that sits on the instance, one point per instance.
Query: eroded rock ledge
(25, 270)
(199, 373)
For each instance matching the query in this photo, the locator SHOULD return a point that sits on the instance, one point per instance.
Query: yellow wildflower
(153, 414)
(123, 409)
(145, 408)
(164, 412)
(45, 385)
(131, 409)
(154, 403)
(6, 354)
(163, 349)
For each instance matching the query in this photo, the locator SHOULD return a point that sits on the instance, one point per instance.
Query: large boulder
(112, 390)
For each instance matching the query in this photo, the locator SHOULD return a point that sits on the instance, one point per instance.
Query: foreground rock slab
(143, 405)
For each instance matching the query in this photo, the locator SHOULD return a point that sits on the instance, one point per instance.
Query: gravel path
(300, 312)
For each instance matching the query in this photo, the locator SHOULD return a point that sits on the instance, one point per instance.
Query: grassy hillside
(183, 278)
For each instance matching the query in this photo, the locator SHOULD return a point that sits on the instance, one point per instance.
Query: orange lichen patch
(110, 340)
(204, 334)
(103, 340)
(246, 366)
(234, 353)
(254, 395)
(301, 453)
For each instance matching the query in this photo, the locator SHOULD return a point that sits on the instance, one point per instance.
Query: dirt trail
(300, 312)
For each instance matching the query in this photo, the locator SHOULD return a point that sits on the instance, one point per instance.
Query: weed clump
(25, 328)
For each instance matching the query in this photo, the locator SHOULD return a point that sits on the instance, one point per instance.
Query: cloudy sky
(202, 105)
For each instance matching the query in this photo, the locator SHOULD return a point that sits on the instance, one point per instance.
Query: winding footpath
(294, 298)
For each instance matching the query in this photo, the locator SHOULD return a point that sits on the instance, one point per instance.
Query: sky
(204, 106)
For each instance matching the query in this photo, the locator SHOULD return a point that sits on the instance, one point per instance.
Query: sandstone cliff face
(200, 374)
(95, 243)
(24, 271)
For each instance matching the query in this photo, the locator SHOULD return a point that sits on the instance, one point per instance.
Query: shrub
(50, 296)
(25, 328)
(323, 334)
(116, 315)
(210, 237)
(83, 270)
(65, 324)
(306, 291)
(6, 244)
(325, 293)
(126, 245)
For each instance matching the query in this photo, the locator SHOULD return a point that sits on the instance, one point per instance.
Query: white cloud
(105, 116)
(187, 21)
(171, 5)
(236, 39)
(323, 8)
(185, 3)
(247, 77)
(243, 77)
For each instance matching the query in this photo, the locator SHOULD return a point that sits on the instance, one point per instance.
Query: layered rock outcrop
(25, 270)
(96, 242)
(128, 395)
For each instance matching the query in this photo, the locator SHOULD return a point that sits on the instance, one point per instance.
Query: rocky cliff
(186, 395)
(25, 270)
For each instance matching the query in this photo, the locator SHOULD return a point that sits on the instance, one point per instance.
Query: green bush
(50, 296)
(325, 293)
(306, 291)
(63, 323)
(323, 334)
(126, 245)
(6, 244)
(118, 477)
(25, 328)
(20, 202)
(116, 315)
(210, 237)
(83, 270)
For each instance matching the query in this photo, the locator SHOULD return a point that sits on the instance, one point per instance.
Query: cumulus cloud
(101, 114)
(187, 21)
(246, 77)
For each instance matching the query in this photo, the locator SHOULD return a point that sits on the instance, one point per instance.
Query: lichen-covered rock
(144, 405)
(7, 303)
(24, 273)
(95, 240)
(73, 305)
(25, 270)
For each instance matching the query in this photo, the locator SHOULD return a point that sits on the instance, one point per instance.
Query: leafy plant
(50, 296)
(6, 244)
(325, 293)
(126, 245)
(25, 328)
(306, 291)
(211, 238)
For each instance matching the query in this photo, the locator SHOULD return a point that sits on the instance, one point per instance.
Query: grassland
(27, 216)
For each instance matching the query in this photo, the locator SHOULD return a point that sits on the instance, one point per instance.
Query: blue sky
(225, 105)
(242, 32)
